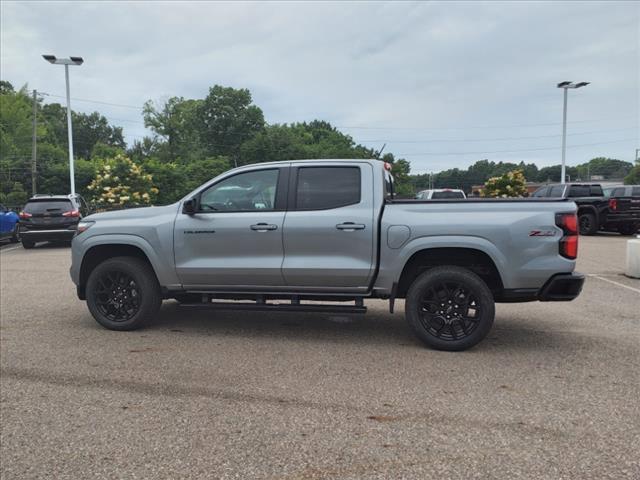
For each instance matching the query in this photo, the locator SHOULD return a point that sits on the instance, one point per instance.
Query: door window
(541, 192)
(556, 191)
(245, 192)
(322, 188)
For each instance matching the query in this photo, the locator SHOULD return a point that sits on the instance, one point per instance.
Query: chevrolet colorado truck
(326, 235)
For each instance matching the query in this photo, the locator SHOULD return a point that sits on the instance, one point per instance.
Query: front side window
(245, 192)
(321, 188)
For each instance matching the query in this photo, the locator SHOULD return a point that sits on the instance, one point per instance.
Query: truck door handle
(350, 226)
(263, 227)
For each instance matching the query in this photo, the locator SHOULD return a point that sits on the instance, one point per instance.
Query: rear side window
(321, 188)
(618, 192)
(541, 192)
(596, 191)
(444, 195)
(48, 206)
(635, 192)
(556, 191)
(580, 191)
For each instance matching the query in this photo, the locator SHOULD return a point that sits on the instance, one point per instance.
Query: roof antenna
(379, 152)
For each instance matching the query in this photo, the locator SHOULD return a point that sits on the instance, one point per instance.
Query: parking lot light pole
(566, 86)
(66, 62)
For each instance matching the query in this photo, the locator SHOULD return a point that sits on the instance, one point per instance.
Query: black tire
(627, 229)
(15, 237)
(27, 244)
(450, 308)
(123, 293)
(588, 224)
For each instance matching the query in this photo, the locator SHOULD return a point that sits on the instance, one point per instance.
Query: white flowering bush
(511, 184)
(121, 183)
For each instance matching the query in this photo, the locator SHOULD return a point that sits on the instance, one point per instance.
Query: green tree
(633, 178)
(175, 122)
(227, 118)
(88, 130)
(316, 139)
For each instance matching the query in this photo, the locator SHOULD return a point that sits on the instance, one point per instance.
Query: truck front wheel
(450, 308)
(123, 293)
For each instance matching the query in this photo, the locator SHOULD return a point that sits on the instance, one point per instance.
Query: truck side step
(278, 307)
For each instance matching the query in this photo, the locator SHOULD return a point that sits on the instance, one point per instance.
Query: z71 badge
(542, 233)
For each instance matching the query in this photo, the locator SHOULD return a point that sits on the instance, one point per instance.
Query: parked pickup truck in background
(276, 236)
(624, 208)
(597, 211)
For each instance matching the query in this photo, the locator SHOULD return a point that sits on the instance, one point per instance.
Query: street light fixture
(566, 86)
(66, 62)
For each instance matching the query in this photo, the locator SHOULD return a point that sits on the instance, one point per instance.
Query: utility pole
(637, 158)
(34, 145)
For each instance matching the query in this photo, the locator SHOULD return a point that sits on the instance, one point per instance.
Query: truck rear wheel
(123, 293)
(450, 308)
(588, 225)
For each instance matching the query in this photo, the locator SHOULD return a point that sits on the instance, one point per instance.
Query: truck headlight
(83, 226)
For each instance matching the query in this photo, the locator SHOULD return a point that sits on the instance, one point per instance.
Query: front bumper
(626, 217)
(53, 235)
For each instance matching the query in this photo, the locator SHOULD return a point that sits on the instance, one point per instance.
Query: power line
(481, 126)
(482, 152)
(94, 101)
(495, 139)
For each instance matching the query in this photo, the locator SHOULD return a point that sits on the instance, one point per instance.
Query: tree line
(193, 140)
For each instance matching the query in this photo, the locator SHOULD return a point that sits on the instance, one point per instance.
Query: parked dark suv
(50, 218)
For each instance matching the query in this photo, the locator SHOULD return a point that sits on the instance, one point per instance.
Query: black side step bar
(278, 307)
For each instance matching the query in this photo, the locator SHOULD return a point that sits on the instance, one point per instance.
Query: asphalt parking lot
(553, 392)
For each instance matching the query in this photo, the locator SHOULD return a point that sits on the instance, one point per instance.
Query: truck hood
(132, 213)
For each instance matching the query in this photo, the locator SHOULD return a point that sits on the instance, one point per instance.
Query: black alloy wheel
(123, 293)
(450, 308)
(117, 296)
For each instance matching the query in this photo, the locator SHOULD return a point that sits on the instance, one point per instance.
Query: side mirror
(189, 206)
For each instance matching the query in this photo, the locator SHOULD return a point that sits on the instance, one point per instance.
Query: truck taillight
(568, 246)
(24, 215)
(613, 204)
(71, 213)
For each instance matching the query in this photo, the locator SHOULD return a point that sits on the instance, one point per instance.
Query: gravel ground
(551, 393)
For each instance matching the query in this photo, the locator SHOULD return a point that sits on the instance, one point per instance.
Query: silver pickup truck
(289, 236)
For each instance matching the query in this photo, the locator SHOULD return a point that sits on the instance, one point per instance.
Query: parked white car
(440, 194)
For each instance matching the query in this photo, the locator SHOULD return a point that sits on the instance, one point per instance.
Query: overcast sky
(442, 84)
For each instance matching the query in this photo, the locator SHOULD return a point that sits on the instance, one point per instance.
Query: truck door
(328, 228)
(235, 236)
